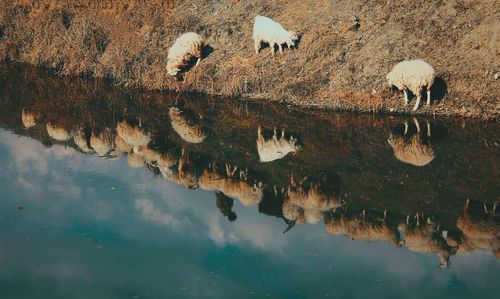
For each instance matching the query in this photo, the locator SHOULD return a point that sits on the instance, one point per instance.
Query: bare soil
(346, 48)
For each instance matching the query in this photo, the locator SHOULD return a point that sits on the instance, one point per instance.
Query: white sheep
(271, 32)
(185, 47)
(275, 148)
(412, 75)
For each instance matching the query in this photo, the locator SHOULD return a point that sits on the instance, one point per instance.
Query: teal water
(80, 225)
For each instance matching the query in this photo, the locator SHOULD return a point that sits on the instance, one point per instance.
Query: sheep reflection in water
(414, 149)
(28, 118)
(102, 142)
(427, 238)
(359, 228)
(481, 232)
(58, 133)
(187, 125)
(276, 147)
(232, 183)
(308, 199)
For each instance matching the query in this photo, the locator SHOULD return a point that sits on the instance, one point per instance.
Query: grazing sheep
(102, 143)
(247, 193)
(134, 136)
(276, 148)
(58, 133)
(187, 46)
(412, 75)
(269, 31)
(415, 150)
(187, 129)
(28, 118)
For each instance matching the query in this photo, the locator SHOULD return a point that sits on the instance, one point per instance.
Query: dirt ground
(346, 48)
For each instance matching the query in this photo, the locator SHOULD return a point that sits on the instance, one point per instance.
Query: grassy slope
(336, 65)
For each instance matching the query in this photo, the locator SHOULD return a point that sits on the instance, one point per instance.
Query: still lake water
(114, 194)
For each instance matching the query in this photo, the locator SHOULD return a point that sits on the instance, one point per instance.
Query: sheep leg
(406, 128)
(257, 46)
(417, 104)
(417, 125)
(406, 96)
(428, 96)
(281, 48)
(428, 129)
(198, 61)
(272, 48)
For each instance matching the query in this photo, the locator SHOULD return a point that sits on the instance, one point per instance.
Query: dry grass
(346, 48)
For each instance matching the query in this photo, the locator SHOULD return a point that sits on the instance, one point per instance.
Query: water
(173, 201)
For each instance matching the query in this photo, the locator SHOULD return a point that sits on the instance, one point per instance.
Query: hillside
(345, 51)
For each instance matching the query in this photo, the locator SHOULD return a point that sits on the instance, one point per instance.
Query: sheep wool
(269, 31)
(58, 133)
(189, 131)
(29, 119)
(275, 148)
(187, 46)
(412, 75)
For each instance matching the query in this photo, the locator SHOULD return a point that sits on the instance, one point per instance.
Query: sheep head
(292, 39)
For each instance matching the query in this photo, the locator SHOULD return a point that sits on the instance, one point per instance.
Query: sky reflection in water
(94, 227)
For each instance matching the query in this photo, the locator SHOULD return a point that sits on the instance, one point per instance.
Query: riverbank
(345, 51)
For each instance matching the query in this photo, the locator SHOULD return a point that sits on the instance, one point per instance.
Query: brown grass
(346, 48)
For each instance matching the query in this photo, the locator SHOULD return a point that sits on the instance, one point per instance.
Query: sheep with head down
(413, 75)
(269, 31)
(187, 46)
